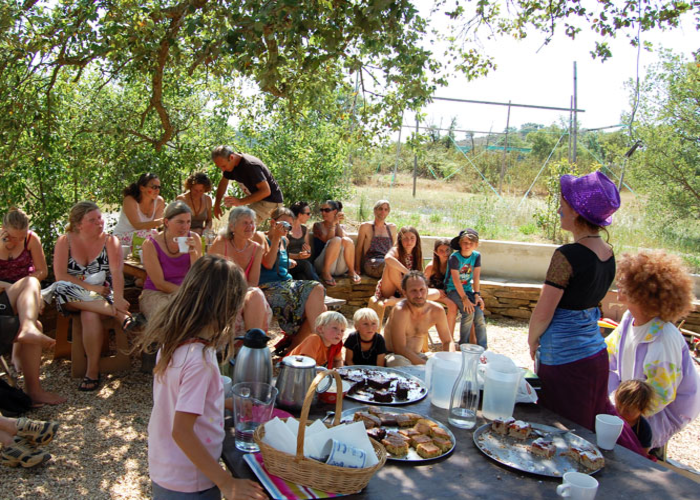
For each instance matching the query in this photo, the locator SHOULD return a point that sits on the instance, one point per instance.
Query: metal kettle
(293, 381)
(254, 361)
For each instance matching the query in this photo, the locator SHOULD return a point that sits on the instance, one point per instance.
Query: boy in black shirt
(633, 398)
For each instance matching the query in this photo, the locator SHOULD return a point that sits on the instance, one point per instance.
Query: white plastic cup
(126, 250)
(182, 244)
(228, 385)
(607, 429)
(577, 486)
(344, 455)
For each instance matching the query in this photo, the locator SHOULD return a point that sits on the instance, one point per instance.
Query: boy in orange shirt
(326, 346)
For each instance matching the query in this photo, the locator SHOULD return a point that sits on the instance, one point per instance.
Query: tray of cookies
(381, 385)
(407, 436)
(536, 448)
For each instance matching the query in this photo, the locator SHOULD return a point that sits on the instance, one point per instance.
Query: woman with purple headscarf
(565, 341)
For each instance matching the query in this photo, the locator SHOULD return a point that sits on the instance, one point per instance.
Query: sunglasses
(155, 188)
(326, 210)
(305, 213)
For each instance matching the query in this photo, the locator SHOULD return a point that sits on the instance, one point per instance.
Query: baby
(326, 346)
(365, 346)
(633, 399)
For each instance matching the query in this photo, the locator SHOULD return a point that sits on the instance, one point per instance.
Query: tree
(668, 124)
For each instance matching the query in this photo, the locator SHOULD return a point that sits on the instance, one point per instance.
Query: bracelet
(478, 293)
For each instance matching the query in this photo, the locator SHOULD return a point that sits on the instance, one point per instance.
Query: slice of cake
(445, 445)
(422, 427)
(388, 419)
(401, 391)
(420, 439)
(376, 433)
(382, 396)
(428, 450)
(543, 448)
(379, 381)
(519, 429)
(500, 425)
(409, 432)
(395, 445)
(407, 419)
(439, 432)
(591, 460)
(368, 419)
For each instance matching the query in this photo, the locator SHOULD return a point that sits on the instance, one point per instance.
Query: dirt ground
(100, 450)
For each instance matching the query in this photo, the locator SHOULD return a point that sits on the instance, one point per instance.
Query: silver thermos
(253, 362)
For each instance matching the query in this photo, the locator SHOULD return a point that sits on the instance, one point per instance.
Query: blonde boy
(326, 346)
(365, 346)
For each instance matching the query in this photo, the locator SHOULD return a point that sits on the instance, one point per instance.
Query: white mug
(182, 243)
(344, 455)
(228, 385)
(577, 486)
(607, 429)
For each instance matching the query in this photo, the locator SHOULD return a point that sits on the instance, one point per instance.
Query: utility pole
(505, 153)
(415, 159)
(398, 154)
(575, 106)
(571, 130)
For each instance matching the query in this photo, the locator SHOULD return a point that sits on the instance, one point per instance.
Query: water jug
(464, 401)
(441, 372)
(500, 388)
(253, 362)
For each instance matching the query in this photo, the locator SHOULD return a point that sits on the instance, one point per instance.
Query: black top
(643, 431)
(295, 244)
(250, 172)
(578, 271)
(369, 357)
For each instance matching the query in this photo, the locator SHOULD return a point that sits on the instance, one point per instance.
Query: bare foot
(44, 397)
(34, 336)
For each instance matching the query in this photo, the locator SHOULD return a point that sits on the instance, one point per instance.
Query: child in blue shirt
(462, 283)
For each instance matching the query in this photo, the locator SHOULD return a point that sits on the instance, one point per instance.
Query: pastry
(428, 450)
(395, 445)
(409, 432)
(439, 432)
(376, 433)
(420, 439)
(591, 460)
(382, 396)
(407, 419)
(422, 427)
(445, 445)
(388, 419)
(542, 448)
(369, 420)
(402, 391)
(519, 429)
(500, 425)
(379, 381)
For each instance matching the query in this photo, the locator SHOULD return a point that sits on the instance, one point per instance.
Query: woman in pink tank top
(165, 264)
(236, 245)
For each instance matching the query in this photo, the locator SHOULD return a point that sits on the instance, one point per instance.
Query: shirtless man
(410, 321)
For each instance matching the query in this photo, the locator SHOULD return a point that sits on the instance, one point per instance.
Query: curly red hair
(658, 282)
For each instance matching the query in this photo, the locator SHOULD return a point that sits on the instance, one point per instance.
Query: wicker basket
(312, 473)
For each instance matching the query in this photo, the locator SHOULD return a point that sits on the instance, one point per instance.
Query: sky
(526, 75)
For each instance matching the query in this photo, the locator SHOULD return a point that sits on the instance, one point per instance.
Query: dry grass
(101, 452)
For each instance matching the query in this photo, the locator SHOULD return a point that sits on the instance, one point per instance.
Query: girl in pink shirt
(186, 429)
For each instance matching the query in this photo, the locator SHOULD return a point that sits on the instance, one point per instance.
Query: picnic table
(467, 473)
(135, 269)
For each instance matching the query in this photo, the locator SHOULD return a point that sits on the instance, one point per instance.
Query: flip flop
(356, 278)
(329, 282)
(89, 384)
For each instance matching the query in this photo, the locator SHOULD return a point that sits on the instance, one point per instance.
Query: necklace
(368, 353)
(589, 236)
(167, 247)
(245, 247)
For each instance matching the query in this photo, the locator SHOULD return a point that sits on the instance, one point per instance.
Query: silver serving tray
(417, 392)
(514, 452)
(413, 456)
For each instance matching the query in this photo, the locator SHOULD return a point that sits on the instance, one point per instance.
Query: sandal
(133, 322)
(88, 384)
(356, 279)
(329, 281)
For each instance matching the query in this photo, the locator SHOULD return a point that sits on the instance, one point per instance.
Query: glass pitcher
(464, 402)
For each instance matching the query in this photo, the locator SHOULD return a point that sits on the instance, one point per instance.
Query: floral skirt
(288, 302)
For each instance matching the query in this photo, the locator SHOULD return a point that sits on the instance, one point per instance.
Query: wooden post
(505, 153)
(415, 160)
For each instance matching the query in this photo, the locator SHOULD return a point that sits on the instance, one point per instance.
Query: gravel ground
(101, 448)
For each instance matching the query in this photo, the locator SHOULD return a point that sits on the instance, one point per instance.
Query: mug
(344, 455)
(607, 429)
(577, 486)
